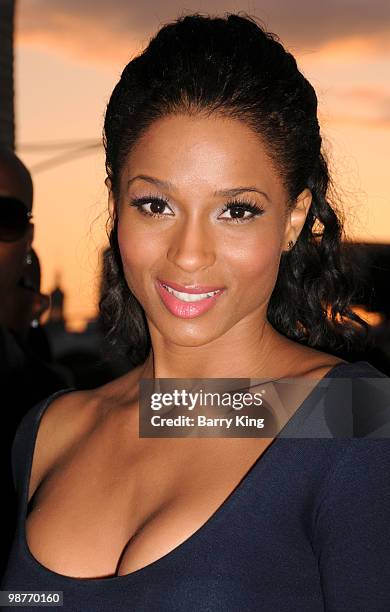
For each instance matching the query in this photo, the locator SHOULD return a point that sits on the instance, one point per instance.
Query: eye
(239, 208)
(157, 206)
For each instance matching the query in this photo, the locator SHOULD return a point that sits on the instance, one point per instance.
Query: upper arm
(61, 425)
(352, 534)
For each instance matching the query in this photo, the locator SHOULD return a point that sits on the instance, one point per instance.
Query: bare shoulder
(295, 359)
(71, 417)
(315, 363)
(63, 422)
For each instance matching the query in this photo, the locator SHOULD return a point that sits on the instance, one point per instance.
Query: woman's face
(184, 168)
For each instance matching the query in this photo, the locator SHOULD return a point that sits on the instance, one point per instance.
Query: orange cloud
(110, 32)
(365, 45)
(73, 36)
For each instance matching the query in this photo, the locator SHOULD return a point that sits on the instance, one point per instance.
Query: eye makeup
(236, 205)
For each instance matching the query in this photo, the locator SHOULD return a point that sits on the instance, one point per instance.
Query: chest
(108, 509)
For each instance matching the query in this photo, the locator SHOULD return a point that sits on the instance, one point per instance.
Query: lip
(186, 310)
(190, 288)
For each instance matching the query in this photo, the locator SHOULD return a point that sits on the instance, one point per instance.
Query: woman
(217, 184)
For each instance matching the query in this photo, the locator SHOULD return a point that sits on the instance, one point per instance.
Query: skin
(15, 181)
(88, 444)
(199, 156)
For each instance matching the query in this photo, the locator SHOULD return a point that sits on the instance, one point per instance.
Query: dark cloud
(303, 25)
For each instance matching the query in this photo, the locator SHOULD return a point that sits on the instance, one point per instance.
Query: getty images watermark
(289, 407)
(190, 400)
(200, 407)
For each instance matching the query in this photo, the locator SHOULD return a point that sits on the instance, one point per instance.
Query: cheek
(254, 264)
(139, 253)
(11, 262)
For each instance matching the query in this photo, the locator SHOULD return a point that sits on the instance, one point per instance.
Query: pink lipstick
(188, 302)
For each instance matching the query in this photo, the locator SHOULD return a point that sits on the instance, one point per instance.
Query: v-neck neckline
(227, 504)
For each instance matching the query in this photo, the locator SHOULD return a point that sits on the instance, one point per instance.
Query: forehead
(209, 152)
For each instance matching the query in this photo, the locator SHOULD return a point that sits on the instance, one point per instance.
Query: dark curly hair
(232, 66)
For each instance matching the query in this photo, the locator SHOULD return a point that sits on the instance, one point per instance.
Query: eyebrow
(221, 192)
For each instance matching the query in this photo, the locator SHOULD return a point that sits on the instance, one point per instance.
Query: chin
(191, 334)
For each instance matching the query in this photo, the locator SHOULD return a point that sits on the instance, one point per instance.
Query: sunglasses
(14, 219)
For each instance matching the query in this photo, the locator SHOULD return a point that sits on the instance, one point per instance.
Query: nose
(192, 246)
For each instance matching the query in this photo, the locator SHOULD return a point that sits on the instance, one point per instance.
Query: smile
(191, 297)
(187, 305)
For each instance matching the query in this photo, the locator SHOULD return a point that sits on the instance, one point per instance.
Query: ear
(296, 217)
(111, 200)
(41, 304)
(29, 236)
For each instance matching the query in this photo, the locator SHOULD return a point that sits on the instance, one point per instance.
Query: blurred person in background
(16, 229)
(24, 321)
(25, 374)
(30, 304)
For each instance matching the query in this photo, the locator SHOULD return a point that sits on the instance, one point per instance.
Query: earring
(28, 259)
(290, 244)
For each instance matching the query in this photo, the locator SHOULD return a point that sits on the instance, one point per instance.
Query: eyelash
(255, 209)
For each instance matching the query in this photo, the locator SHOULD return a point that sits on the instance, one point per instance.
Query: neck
(256, 354)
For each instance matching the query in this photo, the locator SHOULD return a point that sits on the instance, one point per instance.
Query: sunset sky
(69, 55)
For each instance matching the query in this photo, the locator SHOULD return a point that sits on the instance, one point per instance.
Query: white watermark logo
(190, 400)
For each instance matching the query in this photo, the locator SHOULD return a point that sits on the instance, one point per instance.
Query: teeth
(190, 297)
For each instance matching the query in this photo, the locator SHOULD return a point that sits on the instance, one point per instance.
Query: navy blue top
(306, 529)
